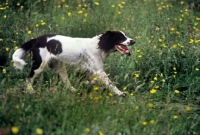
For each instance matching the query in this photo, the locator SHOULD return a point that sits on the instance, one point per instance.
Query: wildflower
(172, 29)
(66, 6)
(96, 88)
(139, 56)
(86, 15)
(84, 20)
(191, 41)
(4, 71)
(175, 116)
(152, 121)
(15, 130)
(39, 131)
(80, 12)
(182, 52)
(154, 47)
(110, 94)
(180, 19)
(163, 80)
(187, 108)
(5, 16)
(155, 78)
(197, 69)
(63, 18)
(174, 68)
(124, 88)
(112, 6)
(87, 129)
(144, 123)
(29, 32)
(160, 40)
(136, 75)
(131, 94)
(43, 23)
(18, 4)
(176, 91)
(119, 12)
(1, 39)
(69, 14)
(36, 25)
(136, 108)
(100, 133)
(156, 87)
(182, 2)
(150, 105)
(123, 2)
(63, 0)
(159, 8)
(152, 91)
(138, 51)
(7, 49)
(96, 3)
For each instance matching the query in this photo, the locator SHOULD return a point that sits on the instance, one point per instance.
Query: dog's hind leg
(60, 68)
(37, 67)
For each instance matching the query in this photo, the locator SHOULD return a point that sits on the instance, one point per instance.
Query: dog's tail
(20, 52)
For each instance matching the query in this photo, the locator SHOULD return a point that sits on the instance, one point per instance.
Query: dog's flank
(89, 53)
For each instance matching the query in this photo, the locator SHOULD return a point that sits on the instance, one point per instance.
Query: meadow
(162, 76)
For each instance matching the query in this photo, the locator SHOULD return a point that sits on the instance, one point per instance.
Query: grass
(161, 76)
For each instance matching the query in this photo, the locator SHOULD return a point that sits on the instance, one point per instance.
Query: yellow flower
(7, 49)
(69, 13)
(138, 51)
(180, 19)
(87, 129)
(175, 117)
(16, 47)
(123, 2)
(150, 105)
(124, 88)
(139, 56)
(182, 52)
(86, 15)
(29, 32)
(84, 20)
(110, 94)
(160, 40)
(100, 133)
(144, 123)
(182, 2)
(119, 12)
(43, 23)
(163, 80)
(4, 71)
(191, 41)
(18, 4)
(39, 131)
(197, 69)
(187, 108)
(174, 68)
(176, 91)
(36, 25)
(80, 12)
(95, 79)
(15, 130)
(96, 3)
(172, 29)
(152, 121)
(5, 16)
(1, 39)
(136, 75)
(112, 6)
(131, 94)
(152, 91)
(96, 88)
(155, 78)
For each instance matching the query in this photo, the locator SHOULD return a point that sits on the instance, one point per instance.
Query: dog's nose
(132, 42)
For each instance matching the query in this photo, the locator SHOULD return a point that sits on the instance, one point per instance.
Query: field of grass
(162, 75)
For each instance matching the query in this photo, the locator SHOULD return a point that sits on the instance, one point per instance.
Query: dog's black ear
(106, 41)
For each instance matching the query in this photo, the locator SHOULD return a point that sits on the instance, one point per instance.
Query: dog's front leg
(103, 78)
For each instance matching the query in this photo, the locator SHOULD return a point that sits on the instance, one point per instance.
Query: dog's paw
(72, 89)
(123, 94)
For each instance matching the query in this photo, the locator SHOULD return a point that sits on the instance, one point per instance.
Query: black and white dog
(88, 53)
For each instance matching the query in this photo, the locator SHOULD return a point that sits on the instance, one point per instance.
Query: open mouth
(123, 49)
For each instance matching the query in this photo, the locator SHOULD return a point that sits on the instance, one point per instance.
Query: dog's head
(115, 40)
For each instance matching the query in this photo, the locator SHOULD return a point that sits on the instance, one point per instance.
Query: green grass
(165, 58)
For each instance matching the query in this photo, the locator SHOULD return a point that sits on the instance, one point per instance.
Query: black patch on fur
(54, 46)
(37, 60)
(108, 40)
(37, 42)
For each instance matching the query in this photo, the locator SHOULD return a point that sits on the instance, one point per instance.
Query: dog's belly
(71, 58)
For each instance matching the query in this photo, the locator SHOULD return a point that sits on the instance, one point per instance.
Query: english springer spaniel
(88, 53)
